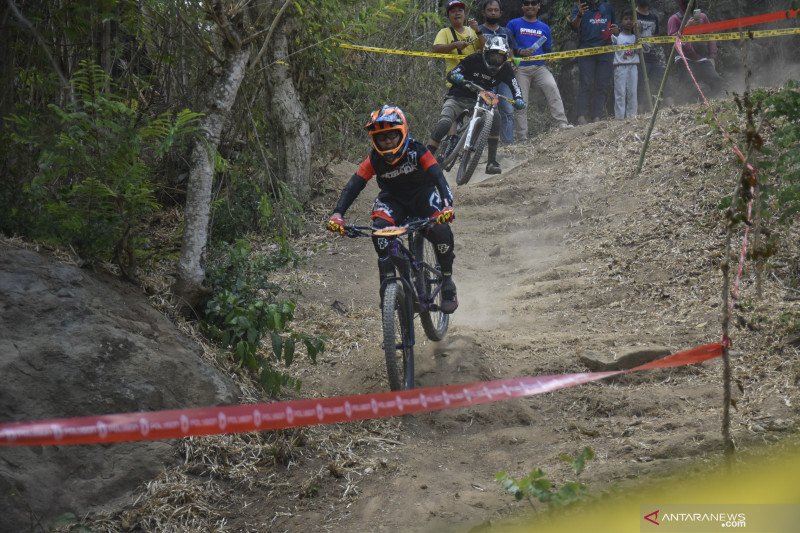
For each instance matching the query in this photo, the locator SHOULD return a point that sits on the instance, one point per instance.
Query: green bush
(245, 309)
(782, 161)
(92, 189)
(536, 485)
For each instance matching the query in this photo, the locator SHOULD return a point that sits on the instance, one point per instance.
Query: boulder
(74, 343)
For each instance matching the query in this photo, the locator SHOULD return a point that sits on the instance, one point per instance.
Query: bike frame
(404, 261)
(485, 102)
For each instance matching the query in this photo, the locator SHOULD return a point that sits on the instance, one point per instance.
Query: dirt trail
(561, 255)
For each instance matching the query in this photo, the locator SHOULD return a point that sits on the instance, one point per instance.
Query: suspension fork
(471, 126)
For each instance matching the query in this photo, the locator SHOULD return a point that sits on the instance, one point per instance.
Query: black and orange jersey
(474, 69)
(417, 170)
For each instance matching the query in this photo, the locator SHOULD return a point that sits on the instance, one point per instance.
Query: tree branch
(46, 49)
(268, 38)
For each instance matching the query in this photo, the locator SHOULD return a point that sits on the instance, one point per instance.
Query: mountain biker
(411, 184)
(485, 69)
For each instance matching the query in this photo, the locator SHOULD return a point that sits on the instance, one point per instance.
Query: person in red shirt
(700, 56)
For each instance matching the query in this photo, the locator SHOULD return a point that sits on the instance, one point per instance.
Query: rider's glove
(336, 224)
(446, 215)
(519, 103)
(457, 78)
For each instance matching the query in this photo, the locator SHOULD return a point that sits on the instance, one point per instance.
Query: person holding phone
(461, 39)
(700, 56)
(594, 22)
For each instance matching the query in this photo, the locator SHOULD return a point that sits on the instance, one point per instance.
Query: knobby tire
(470, 159)
(456, 145)
(396, 347)
(435, 323)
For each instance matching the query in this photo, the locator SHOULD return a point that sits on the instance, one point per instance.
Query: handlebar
(416, 224)
(477, 88)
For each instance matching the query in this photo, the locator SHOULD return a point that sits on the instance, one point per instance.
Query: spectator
(527, 31)
(654, 60)
(459, 39)
(594, 21)
(701, 57)
(625, 70)
(492, 11)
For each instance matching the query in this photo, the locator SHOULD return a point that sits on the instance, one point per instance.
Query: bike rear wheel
(470, 158)
(435, 323)
(397, 346)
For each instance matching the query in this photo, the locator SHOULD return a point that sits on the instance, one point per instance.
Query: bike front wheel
(434, 322)
(397, 347)
(471, 156)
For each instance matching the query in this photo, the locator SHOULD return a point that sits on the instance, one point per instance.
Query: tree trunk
(293, 124)
(7, 38)
(189, 287)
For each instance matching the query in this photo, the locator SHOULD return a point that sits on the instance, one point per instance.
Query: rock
(76, 344)
(629, 359)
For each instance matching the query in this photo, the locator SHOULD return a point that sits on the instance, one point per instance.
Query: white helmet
(495, 53)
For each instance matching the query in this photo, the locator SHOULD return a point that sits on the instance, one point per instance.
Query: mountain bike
(415, 288)
(471, 134)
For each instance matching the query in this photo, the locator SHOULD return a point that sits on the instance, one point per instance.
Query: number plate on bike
(490, 98)
(391, 231)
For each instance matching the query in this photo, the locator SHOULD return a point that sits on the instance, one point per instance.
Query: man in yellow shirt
(459, 39)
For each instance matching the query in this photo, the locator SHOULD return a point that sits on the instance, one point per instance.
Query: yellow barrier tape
(543, 57)
(729, 36)
(581, 52)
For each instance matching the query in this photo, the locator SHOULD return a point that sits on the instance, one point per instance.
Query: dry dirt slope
(564, 255)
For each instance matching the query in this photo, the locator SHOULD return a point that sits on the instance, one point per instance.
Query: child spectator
(625, 70)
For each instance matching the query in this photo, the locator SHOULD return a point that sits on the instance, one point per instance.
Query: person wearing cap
(654, 60)
(594, 22)
(700, 56)
(461, 39)
(528, 31)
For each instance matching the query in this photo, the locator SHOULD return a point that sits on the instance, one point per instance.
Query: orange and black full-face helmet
(386, 119)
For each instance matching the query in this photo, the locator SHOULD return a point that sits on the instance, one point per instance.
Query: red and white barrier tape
(180, 423)
(741, 22)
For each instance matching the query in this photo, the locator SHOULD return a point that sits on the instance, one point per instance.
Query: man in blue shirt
(594, 21)
(533, 38)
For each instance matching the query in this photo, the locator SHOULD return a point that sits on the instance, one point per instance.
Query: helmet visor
(495, 59)
(387, 140)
